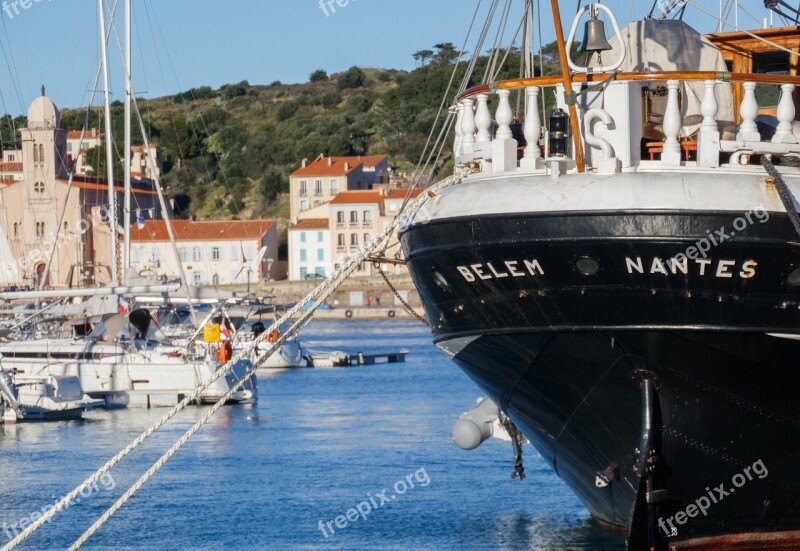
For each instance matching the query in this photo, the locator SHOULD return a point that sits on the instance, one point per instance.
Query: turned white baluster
(709, 108)
(708, 147)
(748, 131)
(504, 115)
(671, 152)
(504, 147)
(533, 125)
(784, 133)
(459, 130)
(468, 127)
(483, 119)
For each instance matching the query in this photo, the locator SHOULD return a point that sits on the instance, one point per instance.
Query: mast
(112, 198)
(126, 251)
(573, 114)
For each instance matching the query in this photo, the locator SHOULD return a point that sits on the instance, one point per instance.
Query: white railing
(618, 143)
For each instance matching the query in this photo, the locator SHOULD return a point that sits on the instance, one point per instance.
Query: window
(334, 187)
(340, 217)
(320, 271)
(38, 187)
(41, 153)
(303, 188)
(35, 154)
(321, 255)
(367, 216)
(393, 207)
(69, 147)
(234, 254)
(303, 205)
(39, 229)
(10, 158)
(353, 217)
(366, 239)
(303, 255)
(215, 280)
(340, 243)
(66, 228)
(354, 239)
(216, 254)
(16, 230)
(319, 237)
(302, 237)
(317, 187)
(197, 278)
(197, 254)
(303, 273)
(182, 253)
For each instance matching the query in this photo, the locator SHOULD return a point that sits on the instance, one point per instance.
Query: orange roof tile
(311, 224)
(357, 197)
(76, 135)
(335, 166)
(192, 230)
(88, 182)
(401, 193)
(11, 167)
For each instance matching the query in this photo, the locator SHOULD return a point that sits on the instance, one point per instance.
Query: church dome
(43, 113)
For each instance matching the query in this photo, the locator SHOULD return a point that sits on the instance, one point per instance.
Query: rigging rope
(318, 295)
(737, 28)
(783, 192)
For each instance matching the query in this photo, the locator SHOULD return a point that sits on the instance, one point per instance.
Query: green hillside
(228, 152)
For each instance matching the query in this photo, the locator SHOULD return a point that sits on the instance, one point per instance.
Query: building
(211, 252)
(345, 224)
(310, 249)
(77, 148)
(142, 164)
(320, 180)
(46, 220)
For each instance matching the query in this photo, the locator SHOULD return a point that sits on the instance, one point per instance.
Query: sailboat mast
(112, 198)
(573, 114)
(126, 251)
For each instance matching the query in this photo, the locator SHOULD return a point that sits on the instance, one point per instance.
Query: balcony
(353, 225)
(353, 248)
(341, 249)
(367, 224)
(341, 226)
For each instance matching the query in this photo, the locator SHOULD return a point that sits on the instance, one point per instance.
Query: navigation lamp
(594, 35)
(559, 133)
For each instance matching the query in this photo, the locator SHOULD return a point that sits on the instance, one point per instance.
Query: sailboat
(621, 276)
(122, 358)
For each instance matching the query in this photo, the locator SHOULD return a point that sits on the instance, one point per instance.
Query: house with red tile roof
(317, 182)
(220, 252)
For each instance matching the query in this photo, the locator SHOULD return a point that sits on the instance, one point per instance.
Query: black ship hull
(565, 320)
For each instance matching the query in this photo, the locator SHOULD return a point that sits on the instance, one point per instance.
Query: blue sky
(187, 43)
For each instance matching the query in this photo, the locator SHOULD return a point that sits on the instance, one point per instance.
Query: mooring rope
(318, 295)
(784, 192)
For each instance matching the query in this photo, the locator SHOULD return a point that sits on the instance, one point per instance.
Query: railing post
(532, 129)
(468, 127)
(671, 152)
(748, 131)
(708, 139)
(459, 130)
(483, 119)
(785, 133)
(504, 146)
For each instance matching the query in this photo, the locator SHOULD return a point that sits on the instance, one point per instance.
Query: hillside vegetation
(228, 152)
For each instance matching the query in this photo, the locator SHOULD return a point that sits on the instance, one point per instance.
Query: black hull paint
(563, 352)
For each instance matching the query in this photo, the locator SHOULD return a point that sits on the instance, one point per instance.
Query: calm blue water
(318, 443)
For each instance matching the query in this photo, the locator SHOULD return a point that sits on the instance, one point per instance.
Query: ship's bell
(594, 36)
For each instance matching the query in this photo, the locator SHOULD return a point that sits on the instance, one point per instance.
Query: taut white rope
(318, 295)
